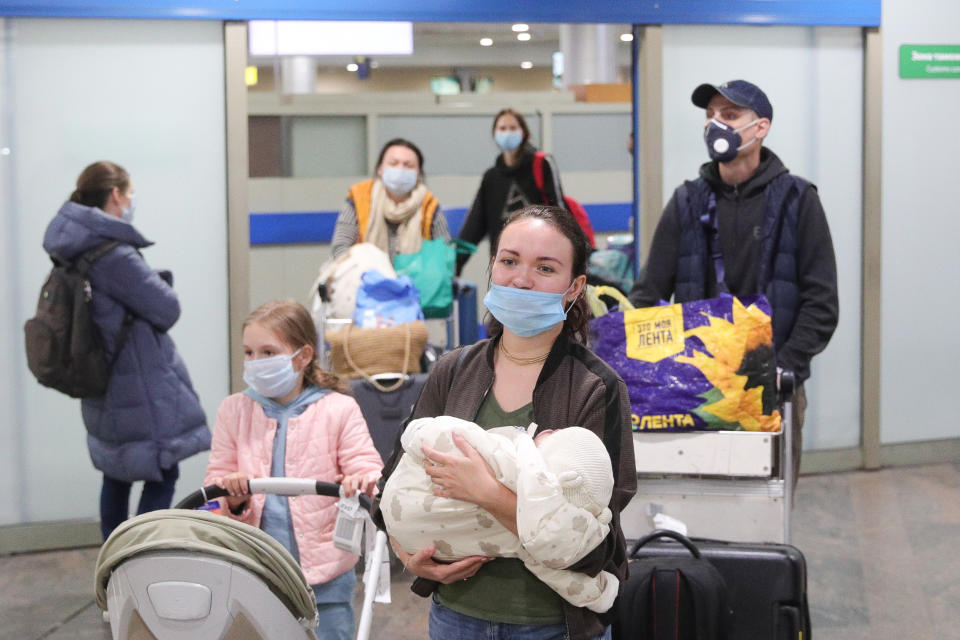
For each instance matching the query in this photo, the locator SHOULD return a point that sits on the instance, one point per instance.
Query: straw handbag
(362, 353)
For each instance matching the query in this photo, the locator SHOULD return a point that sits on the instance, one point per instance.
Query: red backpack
(579, 213)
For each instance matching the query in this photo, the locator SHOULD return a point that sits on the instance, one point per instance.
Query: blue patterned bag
(385, 302)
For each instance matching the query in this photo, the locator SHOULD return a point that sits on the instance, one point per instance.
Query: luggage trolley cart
(461, 327)
(727, 485)
(179, 573)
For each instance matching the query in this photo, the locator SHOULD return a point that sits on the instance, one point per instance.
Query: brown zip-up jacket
(575, 388)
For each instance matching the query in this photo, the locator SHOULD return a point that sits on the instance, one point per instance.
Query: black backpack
(64, 347)
(675, 598)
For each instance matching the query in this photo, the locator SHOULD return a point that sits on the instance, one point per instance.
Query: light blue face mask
(271, 377)
(526, 312)
(508, 139)
(399, 181)
(127, 214)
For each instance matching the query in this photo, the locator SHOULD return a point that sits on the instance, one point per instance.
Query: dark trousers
(115, 498)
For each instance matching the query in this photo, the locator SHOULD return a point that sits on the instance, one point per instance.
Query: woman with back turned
(150, 418)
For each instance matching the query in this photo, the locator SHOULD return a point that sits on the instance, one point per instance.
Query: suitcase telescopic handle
(666, 533)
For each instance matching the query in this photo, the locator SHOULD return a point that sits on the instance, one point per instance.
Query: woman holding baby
(535, 368)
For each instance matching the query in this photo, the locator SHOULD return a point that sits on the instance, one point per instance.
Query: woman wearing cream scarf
(394, 211)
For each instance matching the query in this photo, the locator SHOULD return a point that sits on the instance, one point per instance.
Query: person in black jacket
(746, 226)
(509, 184)
(535, 368)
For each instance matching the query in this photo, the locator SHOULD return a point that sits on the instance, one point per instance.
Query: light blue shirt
(276, 519)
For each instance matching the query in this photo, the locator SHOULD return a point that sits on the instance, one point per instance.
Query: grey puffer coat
(150, 417)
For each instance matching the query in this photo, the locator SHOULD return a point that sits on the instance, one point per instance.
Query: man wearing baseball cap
(746, 226)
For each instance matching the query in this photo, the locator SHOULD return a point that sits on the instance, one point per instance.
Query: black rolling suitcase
(385, 411)
(766, 584)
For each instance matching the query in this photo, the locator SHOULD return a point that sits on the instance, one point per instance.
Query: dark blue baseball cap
(739, 92)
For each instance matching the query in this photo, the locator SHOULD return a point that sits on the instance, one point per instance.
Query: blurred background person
(509, 185)
(150, 418)
(393, 210)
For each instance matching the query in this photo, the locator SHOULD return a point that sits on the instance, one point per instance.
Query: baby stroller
(179, 573)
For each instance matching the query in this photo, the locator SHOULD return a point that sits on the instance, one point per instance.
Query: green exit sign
(929, 61)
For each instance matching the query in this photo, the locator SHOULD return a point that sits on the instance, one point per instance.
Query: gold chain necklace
(519, 360)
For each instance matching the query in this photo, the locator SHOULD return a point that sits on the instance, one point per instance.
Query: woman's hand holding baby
(471, 479)
(422, 564)
(467, 477)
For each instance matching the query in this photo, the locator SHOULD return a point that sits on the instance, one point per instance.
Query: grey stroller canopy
(212, 535)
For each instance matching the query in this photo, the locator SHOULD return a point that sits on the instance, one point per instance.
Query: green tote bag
(431, 270)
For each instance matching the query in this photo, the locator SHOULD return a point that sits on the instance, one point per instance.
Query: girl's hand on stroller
(422, 565)
(237, 485)
(360, 482)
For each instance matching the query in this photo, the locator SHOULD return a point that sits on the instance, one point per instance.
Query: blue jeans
(115, 498)
(447, 624)
(335, 607)
(336, 621)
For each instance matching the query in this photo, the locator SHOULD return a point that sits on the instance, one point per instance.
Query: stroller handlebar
(293, 487)
(276, 486)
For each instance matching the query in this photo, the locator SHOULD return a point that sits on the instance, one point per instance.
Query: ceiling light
(523, 37)
(486, 42)
(526, 64)
(316, 38)
(626, 37)
(352, 67)
(520, 27)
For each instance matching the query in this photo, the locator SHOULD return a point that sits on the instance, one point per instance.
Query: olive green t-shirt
(503, 590)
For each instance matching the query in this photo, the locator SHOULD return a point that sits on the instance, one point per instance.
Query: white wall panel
(148, 95)
(11, 344)
(592, 141)
(328, 146)
(921, 228)
(458, 144)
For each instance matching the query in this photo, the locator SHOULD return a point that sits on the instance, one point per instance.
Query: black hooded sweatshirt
(504, 190)
(740, 214)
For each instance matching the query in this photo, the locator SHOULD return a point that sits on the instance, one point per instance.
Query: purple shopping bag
(707, 364)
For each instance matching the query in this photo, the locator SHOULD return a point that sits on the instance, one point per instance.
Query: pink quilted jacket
(328, 438)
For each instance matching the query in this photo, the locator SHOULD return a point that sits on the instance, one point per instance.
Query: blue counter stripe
(317, 226)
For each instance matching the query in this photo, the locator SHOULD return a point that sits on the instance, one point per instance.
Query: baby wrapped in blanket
(563, 483)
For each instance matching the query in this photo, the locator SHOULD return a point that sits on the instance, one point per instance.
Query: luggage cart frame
(455, 331)
(731, 485)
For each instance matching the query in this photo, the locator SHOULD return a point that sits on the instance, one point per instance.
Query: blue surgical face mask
(526, 312)
(508, 139)
(127, 214)
(723, 141)
(399, 181)
(272, 377)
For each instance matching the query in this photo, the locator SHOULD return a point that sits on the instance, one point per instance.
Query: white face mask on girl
(272, 377)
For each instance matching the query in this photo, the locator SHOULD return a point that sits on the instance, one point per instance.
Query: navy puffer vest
(778, 257)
